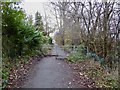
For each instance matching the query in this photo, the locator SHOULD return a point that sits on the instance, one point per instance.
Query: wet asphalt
(51, 72)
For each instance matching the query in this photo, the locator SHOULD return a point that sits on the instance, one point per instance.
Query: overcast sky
(32, 6)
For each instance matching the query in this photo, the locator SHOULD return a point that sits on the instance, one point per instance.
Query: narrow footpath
(51, 72)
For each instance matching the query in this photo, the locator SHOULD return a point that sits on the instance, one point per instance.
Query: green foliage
(20, 37)
(95, 57)
(4, 78)
(77, 55)
(38, 22)
(50, 40)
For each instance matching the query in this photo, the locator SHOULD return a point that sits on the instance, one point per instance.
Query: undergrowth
(98, 71)
(78, 54)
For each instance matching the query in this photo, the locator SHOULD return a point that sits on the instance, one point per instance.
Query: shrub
(78, 55)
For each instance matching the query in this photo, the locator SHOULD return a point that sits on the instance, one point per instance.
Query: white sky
(32, 6)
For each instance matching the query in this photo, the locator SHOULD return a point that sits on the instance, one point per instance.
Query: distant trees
(43, 29)
(96, 24)
(30, 19)
(38, 22)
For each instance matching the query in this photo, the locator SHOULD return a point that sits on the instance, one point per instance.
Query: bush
(78, 55)
(20, 38)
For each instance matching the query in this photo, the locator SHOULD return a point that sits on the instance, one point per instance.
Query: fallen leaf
(69, 83)
(80, 73)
